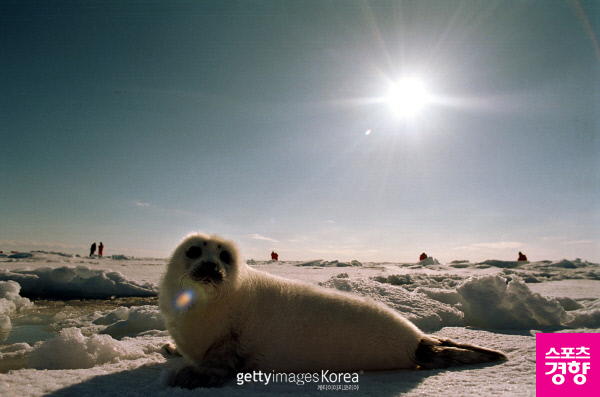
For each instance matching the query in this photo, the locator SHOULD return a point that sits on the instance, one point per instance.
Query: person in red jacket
(100, 248)
(522, 257)
(423, 256)
(274, 256)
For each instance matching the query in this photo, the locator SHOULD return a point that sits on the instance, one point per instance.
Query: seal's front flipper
(221, 362)
(171, 349)
(431, 355)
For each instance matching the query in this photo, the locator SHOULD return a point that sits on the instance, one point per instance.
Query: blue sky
(135, 123)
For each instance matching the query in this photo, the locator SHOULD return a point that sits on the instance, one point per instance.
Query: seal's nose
(207, 270)
(210, 266)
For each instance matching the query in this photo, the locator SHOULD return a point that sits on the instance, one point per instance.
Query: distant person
(274, 256)
(522, 257)
(423, 256)
(100, 248)
(92, 249)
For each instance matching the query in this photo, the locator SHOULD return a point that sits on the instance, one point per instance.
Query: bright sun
(408, 96)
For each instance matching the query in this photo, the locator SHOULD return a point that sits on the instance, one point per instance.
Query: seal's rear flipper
(448, 354)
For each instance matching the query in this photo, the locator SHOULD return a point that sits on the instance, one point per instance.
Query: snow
(136, 320)
(102, 333)
(76, 282)
(10, 302)
(71, 350)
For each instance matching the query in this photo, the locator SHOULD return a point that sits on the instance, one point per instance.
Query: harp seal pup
(227, 317)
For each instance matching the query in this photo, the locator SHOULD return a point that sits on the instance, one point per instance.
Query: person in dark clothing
(100, 248)
(92, 249)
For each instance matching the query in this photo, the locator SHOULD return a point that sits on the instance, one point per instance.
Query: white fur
(285, 325)
(279, 324)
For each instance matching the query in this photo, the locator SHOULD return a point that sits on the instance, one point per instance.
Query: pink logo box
(567, 365)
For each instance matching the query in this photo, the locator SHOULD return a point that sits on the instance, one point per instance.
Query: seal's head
(201, 262)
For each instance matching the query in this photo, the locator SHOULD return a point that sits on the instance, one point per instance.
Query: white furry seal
(226, 317)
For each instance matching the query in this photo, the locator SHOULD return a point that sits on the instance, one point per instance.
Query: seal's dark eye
(225, 257)
(193, 252)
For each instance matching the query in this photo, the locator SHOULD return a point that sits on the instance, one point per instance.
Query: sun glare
(408, 96)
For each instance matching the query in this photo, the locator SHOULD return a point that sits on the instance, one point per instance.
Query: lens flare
(184, 299)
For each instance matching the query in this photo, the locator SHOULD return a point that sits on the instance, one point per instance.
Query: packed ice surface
(116, 345)
(76, 282)
(70, 349)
